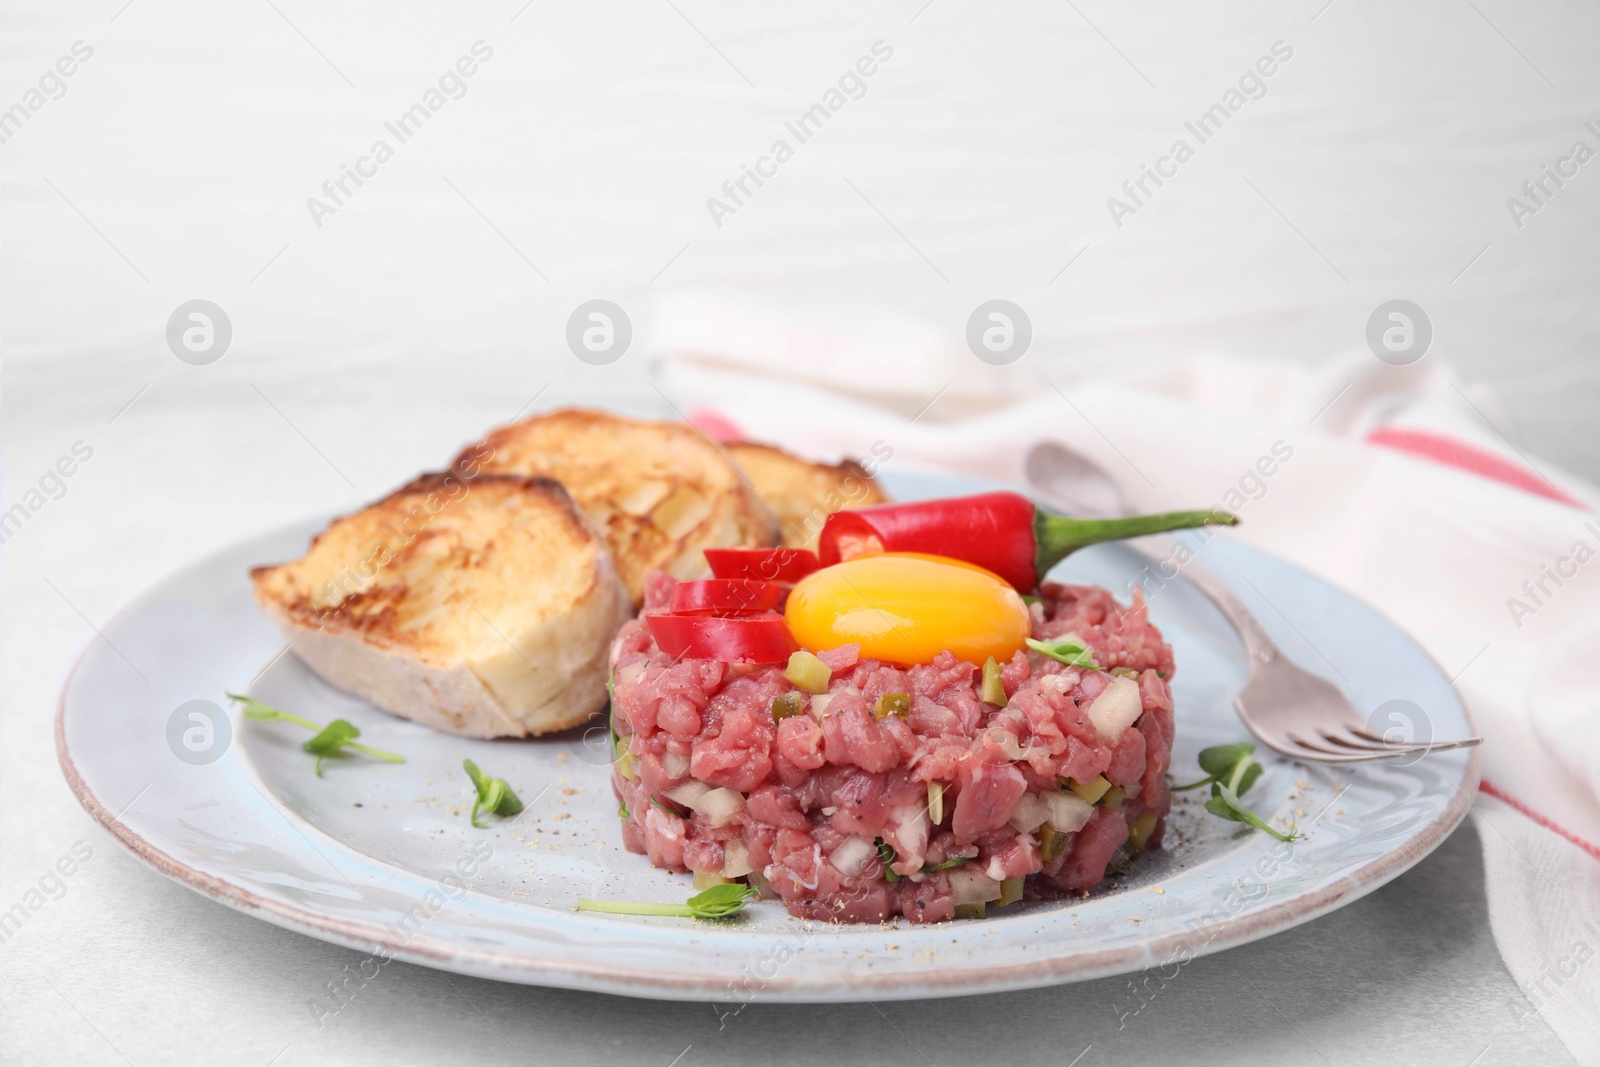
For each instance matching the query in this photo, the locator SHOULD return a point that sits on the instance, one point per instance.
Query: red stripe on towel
(715, 425)
(1465, 457)
(1488, 787)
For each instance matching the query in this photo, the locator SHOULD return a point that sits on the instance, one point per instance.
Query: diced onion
(1031, 812)
(689, 793)
(1115, 709)
(854, 854)
(1055, 685)
(719, 806)
(819, 705)
(1068, 813)
(707, 879)
(675, 766)
(968, 886)
(910, 829)
(1006, 742)
(736, 860)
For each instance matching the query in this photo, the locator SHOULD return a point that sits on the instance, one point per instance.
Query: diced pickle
(1125, 672)
(787, 705)
(626, 766)
(971, 911)
(1113, 797)
(1092, 790)
(1051, 842)
(994, 690)
(1143, 827)
(808, 672)
(1010, 892)
(896, 704)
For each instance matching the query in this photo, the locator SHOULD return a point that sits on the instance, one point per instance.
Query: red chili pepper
(1003, 532)
(727, 596)
(739, 639)
(762, 564)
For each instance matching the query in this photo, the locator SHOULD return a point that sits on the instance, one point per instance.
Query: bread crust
(801, 493)
(660, 492)
(403, 603)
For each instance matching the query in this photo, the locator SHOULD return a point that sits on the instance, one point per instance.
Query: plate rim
(432, 951)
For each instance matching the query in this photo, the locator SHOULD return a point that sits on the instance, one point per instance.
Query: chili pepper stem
(1057, 536)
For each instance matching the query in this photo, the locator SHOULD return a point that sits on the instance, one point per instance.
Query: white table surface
(977, 164)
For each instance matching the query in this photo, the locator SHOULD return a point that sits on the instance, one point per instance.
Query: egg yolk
(907, 607)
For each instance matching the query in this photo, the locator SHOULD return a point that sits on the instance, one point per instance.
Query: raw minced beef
(711, 782)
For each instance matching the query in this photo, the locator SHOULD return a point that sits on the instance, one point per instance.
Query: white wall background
(1378, 165)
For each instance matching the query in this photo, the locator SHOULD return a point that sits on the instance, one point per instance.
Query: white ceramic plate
(371, 855)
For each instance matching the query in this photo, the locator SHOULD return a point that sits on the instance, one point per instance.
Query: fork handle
(1257, 645)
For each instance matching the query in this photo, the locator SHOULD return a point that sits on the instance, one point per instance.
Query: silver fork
(1290, 710)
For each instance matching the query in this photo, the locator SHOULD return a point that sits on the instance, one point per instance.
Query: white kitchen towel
(1401, 484)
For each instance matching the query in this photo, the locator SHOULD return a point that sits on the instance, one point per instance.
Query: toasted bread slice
(801, 493)
(478, 606)
(659, 491)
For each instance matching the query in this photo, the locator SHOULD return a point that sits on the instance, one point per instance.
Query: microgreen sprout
(494, 795)
(887, 855)
(718, 902)
(330, 741)
(1067, 649)
(670, 809)
(1230, 772)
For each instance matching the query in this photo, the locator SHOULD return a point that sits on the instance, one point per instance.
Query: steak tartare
(929, 791)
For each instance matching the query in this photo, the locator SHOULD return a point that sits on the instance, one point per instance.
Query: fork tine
(1352, 754)
(1284, 746)
(1432, 746)
(1362, 743)
(1360, 747)
(1350, 745)
(1293, 748)
(1365, 742)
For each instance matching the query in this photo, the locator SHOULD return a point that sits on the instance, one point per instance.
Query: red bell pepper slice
(762, 564)
(736, 639)
(728, 596)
